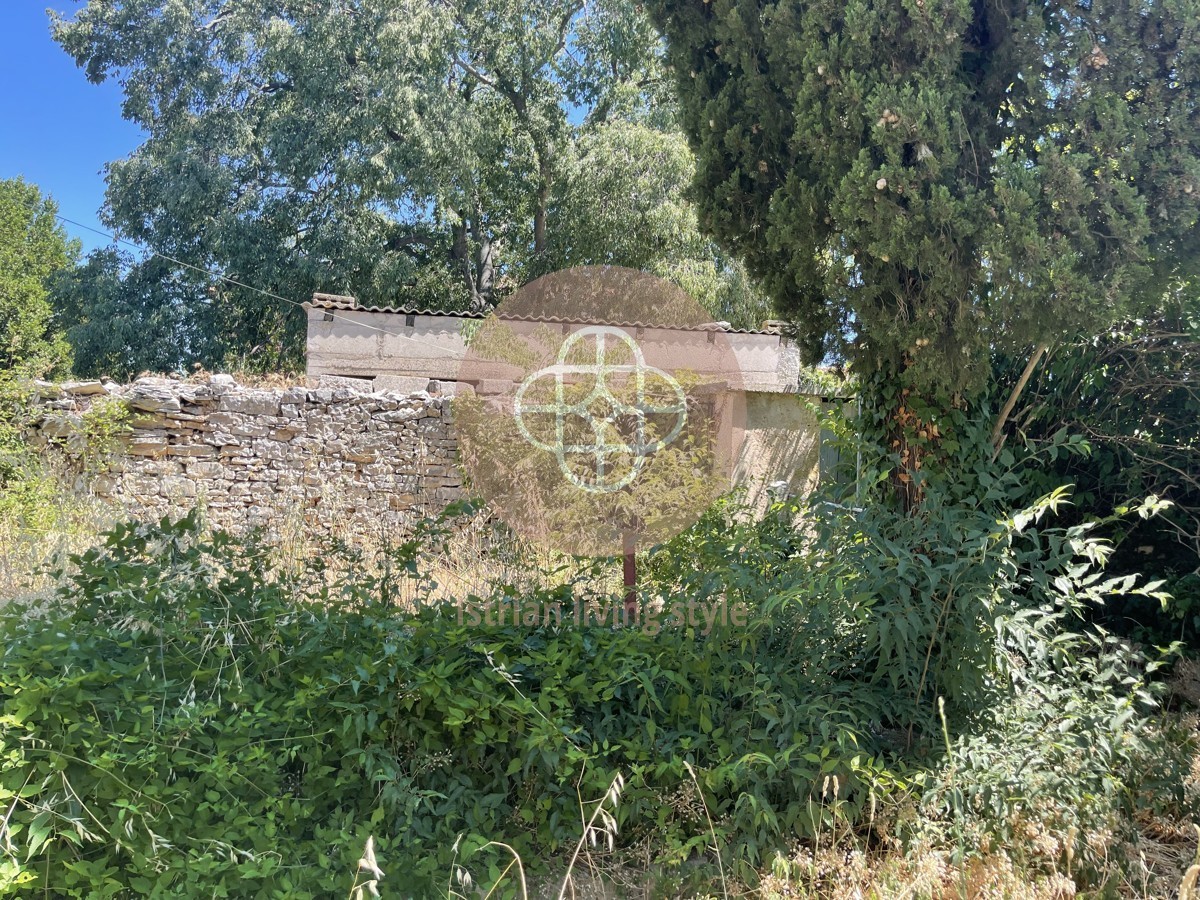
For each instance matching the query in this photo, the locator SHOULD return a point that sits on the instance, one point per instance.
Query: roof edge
(346, 303)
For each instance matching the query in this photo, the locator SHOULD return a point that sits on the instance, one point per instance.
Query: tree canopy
(427, 153)
(922, 182)
(123, 316)
(33, 247)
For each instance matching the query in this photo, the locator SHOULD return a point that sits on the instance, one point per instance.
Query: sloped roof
(351, 304)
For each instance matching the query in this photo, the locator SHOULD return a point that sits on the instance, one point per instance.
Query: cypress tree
(923, 183)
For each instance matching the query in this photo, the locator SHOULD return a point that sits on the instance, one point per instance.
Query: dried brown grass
(67, 523)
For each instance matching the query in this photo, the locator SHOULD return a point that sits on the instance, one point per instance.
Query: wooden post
(629, 546)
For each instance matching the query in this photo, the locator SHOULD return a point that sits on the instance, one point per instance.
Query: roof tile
(346, 303)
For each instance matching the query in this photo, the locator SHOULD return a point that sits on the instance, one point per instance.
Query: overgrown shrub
(20, 472)
(180, 720)
(1069, 765)
(184, 719)
(28, 475)
(41, 515)
(1133, 393)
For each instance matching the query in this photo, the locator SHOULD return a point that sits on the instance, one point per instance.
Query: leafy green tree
(401, 151)
(920, 183)
(123, 317)
(621, 201)
(624, 173)
(33, 247)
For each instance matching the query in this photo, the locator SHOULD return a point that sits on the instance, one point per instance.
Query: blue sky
(56, 129)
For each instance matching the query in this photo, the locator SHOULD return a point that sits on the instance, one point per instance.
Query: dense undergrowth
(193, 714)
(185, 717)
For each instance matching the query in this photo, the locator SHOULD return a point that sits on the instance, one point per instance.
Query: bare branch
(1006, 411)
(477, 74)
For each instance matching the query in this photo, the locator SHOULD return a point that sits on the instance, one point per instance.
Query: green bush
(181, 721)
(26, 490)
(1133, 393)
(186, 720)
(1070, 761)
(41, 515)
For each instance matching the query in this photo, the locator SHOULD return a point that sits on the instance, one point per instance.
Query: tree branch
(1010, 404)
(402, 242)
(477, 75)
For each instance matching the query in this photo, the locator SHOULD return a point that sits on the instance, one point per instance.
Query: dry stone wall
(332, 459)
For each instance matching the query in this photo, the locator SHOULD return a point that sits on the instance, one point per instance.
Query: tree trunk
(629, 575)
(905, 478)
(478, 269)
(908, 437)
(485, 268)
(539, 224)
(460, 253)
(998, 431)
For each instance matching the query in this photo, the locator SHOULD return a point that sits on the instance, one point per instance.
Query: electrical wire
(249, 287)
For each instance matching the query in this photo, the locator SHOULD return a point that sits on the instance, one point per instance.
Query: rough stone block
(175, 486)
(195, 451)
(251, 403)
(399, 415)
(146, 444)
(205, 470)
(248, 429)
(103, 485)
(61, 426)
(154, 395)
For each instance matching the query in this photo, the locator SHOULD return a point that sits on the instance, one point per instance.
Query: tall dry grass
(32, 546)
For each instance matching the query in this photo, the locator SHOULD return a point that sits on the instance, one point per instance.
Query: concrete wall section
(360, 344)
(780, 448)
(410, 350)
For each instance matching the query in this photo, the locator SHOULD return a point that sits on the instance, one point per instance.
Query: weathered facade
(411, 349)
(368, 445)
(404, 349)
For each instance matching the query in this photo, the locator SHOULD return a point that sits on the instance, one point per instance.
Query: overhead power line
(249, 287)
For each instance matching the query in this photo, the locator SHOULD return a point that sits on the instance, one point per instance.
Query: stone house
(406, 349)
